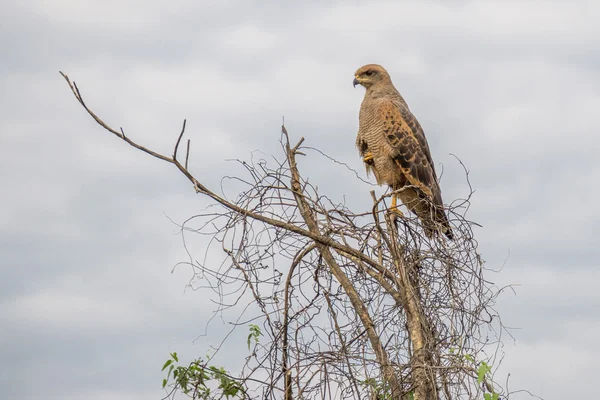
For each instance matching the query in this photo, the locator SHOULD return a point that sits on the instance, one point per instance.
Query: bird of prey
(393, 147)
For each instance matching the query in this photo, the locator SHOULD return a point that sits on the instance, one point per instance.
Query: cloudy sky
(90, 307)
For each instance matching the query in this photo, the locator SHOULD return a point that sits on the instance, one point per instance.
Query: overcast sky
(89, 306)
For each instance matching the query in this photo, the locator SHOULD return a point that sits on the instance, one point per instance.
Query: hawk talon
(394, 208)
(368, 157)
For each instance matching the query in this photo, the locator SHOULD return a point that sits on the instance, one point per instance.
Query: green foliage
(483, 370)
(491, 396)
(255, 333)
(380, 389)
(484, 373)
(194, 379)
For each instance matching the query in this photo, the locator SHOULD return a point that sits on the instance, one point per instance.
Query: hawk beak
(355, 82)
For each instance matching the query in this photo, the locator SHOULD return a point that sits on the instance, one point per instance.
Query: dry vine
(365, 308)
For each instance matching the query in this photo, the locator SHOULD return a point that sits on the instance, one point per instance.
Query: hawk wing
(410, 150)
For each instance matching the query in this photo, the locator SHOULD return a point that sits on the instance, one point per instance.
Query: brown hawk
(393, 146)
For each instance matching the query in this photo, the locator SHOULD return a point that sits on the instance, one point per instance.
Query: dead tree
(369, 307)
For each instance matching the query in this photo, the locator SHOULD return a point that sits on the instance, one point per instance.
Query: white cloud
(58, 312)
(249, 38)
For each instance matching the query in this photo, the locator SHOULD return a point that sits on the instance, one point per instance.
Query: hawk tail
(439, 224)
(448, 231)
(444, 224)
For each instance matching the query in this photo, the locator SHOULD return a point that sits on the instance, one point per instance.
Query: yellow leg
(368, 157)
(394, 207)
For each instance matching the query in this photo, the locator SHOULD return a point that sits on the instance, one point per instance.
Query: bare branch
(179, 140)
(369, 307)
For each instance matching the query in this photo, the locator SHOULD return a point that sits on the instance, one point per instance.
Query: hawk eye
(369, 73)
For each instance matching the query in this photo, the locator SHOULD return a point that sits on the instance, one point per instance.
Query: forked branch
(370, 308)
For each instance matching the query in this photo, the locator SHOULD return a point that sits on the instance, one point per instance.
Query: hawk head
(370, 75)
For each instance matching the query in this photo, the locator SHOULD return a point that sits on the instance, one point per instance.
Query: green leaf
(495, 396)
(487, 396)
(174, 355)
(482, 371)
(480, 374)
(469, 357)
(183, 383)
(166, 364)
(164, 383)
